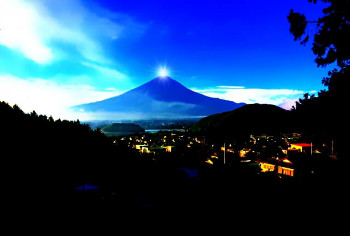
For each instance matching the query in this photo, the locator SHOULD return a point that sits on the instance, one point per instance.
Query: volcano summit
(160, 98)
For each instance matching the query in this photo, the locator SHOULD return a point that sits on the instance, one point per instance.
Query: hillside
(46, 159)
(123, 127)
(249, 119)
(117, 129)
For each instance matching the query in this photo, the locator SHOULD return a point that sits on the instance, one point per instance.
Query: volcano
(160, 98)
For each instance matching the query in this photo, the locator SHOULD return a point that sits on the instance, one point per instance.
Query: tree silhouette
(44, 156)
(330, 46)
(331, 40)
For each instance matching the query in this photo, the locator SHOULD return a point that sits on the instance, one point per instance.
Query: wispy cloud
(38, 29)
(47, 97)
(108, 72)
(281, 97)
(230, 87)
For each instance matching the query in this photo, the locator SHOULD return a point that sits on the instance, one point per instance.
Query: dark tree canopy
(331, 41)
(297, 26)
(331, 45)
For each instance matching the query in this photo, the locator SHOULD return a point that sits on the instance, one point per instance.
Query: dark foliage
(298, 26)
(45, 159)
(326, 113)
(331, 41)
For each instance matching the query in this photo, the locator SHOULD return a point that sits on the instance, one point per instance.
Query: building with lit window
(302, 147)
(285, 171)
(266, 167)
(281, 167)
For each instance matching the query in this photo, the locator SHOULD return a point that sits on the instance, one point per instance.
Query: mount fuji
(160, 98)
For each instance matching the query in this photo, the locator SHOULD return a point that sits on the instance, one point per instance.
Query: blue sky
(56, 54)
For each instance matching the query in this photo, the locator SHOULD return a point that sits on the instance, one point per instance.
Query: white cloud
(230, 87)
(28, 27)
(47, 97)
(35, 27)
(280, 97)
(19, 31)
(288, 103)
(107, 72)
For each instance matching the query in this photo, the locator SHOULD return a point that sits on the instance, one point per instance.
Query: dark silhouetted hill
(248, 119)
(118, 129)
(123, 127)
(45, 159)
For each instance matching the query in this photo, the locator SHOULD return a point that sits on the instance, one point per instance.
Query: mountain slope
(161, 97)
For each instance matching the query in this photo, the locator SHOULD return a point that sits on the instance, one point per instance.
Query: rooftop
(302, 144)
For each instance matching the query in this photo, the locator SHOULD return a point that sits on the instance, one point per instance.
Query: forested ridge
(45, 159)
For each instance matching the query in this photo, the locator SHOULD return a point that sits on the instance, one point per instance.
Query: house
(145, 149)
(169, 148)
(214, 156)
(208, 161)
(302, 147)
(280, 166)
(141, 146)
(285, 171)
(266, 167)
(243, 152)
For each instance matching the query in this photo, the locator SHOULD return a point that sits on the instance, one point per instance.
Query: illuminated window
(285, 171)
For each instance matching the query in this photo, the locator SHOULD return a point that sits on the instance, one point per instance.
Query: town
(286, 158)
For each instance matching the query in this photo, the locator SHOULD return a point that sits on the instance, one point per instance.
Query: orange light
(285, 171)
(266, 167)
(285, 160)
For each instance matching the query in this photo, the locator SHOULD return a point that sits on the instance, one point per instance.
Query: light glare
(163, 72)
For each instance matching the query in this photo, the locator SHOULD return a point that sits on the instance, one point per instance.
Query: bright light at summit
(163, 72)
